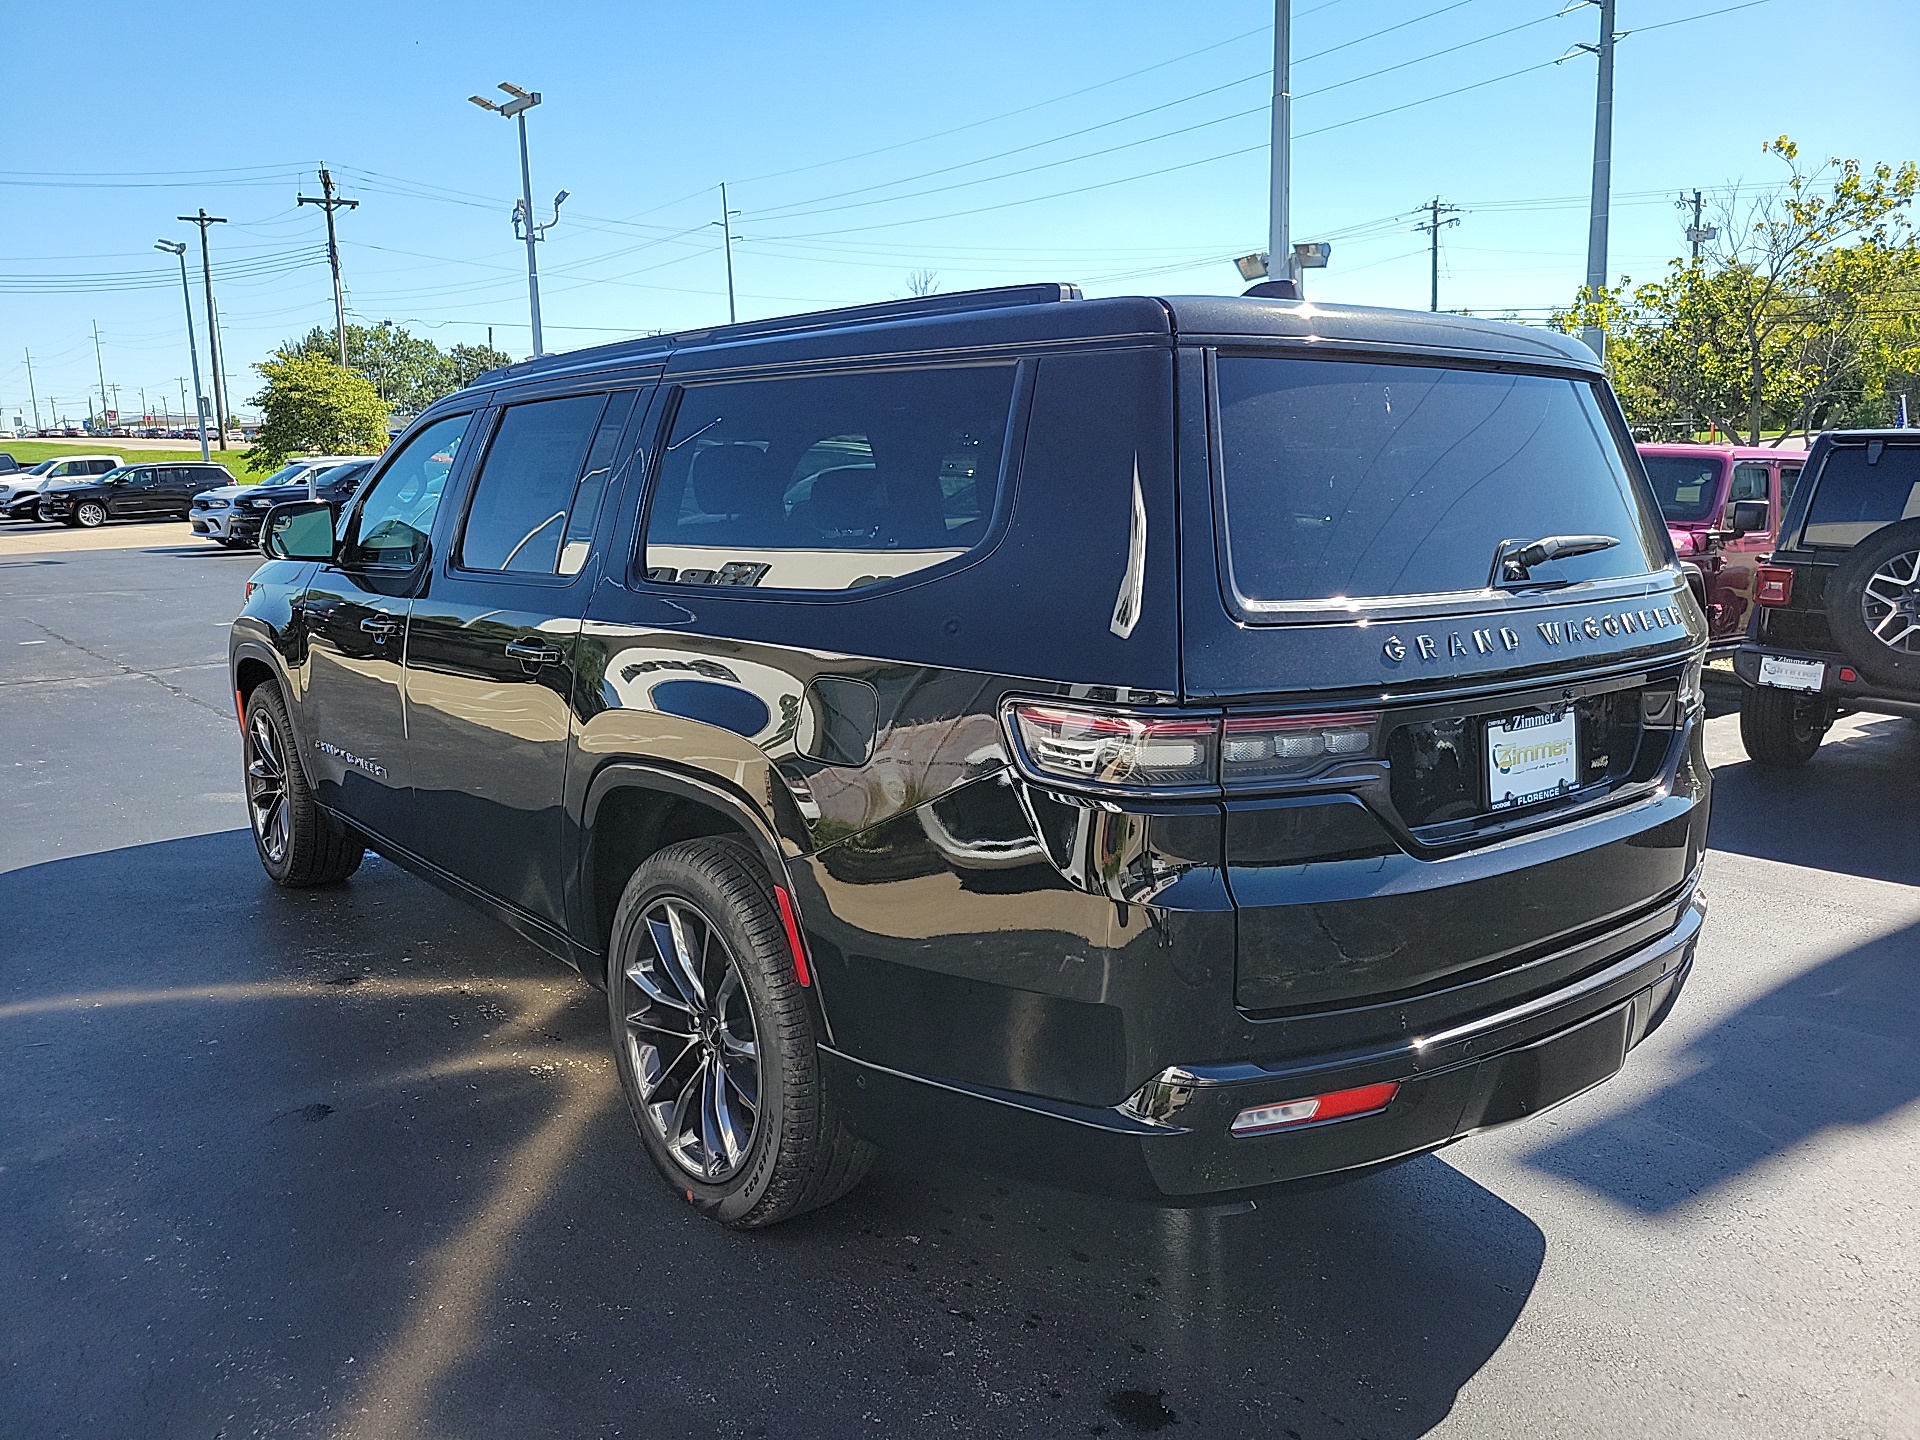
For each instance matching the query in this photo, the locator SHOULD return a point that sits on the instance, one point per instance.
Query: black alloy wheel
(715, 1042)
(1782, 728)
(90, 514)
(300, 845)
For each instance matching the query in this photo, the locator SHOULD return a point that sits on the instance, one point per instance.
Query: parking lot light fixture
(178, 250)
(515, 108)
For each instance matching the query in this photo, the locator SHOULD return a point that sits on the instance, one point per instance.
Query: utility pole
(524, 226)
(327, 201)
(183, 399)
(1280, 264)
(99, 368)
(30, 390)
(1596, 337)
(203, 220)
(725, 222)
(1437, 211)
(179, 252)
(1697, 233)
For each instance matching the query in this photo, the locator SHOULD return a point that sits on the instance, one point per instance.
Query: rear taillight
(1259, 747)
(1121, 751)
(1133, 752)
(1773, 584)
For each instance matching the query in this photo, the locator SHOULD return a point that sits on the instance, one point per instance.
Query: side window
(390, 525)
(1789, 477)
(99, 467)
(828, 482)
(1749, 483)
(538, 495)
(142, 479)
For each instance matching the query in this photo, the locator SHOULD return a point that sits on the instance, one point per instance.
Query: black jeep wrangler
(1167, 746)
(1836, 626)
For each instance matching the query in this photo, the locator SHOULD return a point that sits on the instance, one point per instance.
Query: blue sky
(861, 142)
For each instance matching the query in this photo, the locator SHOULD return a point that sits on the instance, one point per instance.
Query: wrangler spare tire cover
(1873, 605)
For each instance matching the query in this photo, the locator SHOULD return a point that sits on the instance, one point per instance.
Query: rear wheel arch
(633, 811)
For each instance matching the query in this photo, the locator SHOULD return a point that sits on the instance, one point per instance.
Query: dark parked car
(250, 506)
(1169, 747)
(131, 492)
(1837, 623)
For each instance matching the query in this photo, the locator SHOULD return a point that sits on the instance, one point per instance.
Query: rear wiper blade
(1513, 559)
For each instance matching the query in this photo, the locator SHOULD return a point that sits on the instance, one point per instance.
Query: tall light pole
(178, 250)
(203, 220)
(101, 367)
(30, 391)
(330, 202)
(725, 222)
(1594, 335)
(1280, 264)
(524, 226)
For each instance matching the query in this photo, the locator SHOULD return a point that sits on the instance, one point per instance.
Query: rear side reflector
(792, 924)
(1335, 1105)
(1773, 584)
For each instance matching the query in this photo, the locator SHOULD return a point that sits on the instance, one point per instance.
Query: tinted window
(98, 467)
(538, 494)
(1352, 479)
(1789, 477)
(391, 523)
(1749, 483)
(1686, 487)
(1861, 488)
(828, 482)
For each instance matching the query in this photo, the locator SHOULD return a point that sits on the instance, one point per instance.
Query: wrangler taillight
(1772, 584)
(1130, 751)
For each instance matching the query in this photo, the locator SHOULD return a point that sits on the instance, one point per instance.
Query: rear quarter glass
(1343, 481)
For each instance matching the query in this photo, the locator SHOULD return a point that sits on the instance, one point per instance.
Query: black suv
(335, 486)
(1836, 626)
(131, 492)
(1173, 747)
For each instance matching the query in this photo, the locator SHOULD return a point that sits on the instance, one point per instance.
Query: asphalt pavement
(353, 1162)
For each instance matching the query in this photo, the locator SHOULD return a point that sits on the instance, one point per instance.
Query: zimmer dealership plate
(1531, 757)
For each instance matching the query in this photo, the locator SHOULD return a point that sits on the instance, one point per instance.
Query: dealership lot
(353, 1162)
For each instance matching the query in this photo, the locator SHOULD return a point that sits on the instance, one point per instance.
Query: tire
(300, 845)
(1782, 728)
(90, 514)
(1873, 605)
(712, 901)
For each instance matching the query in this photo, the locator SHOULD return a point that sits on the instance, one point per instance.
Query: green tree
(1794, 317)
(313, 406)
(470, 362)
(409, 371)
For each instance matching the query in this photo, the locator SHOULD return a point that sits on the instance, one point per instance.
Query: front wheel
(715, 1043)
(1782, 727)
(90, 514)
(300, 844)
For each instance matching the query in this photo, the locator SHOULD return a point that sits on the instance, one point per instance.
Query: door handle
(381, 625)
(533, 653)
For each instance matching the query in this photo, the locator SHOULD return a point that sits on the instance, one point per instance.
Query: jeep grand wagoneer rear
(1414, 851)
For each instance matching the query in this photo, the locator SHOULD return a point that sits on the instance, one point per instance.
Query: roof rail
(957, 302)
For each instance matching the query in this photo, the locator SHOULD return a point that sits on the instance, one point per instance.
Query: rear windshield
(1685, 486)
(1860, 489)
(1348, 479)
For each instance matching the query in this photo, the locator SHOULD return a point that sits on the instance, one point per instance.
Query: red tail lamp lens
(1114, 749)
(1335, 1105)
(1773, 584)
(1258, 746)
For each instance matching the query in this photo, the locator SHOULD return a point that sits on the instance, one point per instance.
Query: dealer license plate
(1785, 674)
(1531, 758)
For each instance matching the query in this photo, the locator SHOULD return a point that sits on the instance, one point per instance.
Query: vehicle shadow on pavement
(1850, 809)
(1837, 1045)
(353, 1162)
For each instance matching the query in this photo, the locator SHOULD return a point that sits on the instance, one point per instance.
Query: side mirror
(298, 530)
(1752, 517)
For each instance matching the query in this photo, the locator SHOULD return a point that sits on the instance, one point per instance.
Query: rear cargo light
(1336, 1105)
(1259, 746)
(1125, 751)
(1773, 584)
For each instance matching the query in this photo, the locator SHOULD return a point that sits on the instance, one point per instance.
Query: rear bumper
(1860, 694)
(1470, 1076)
